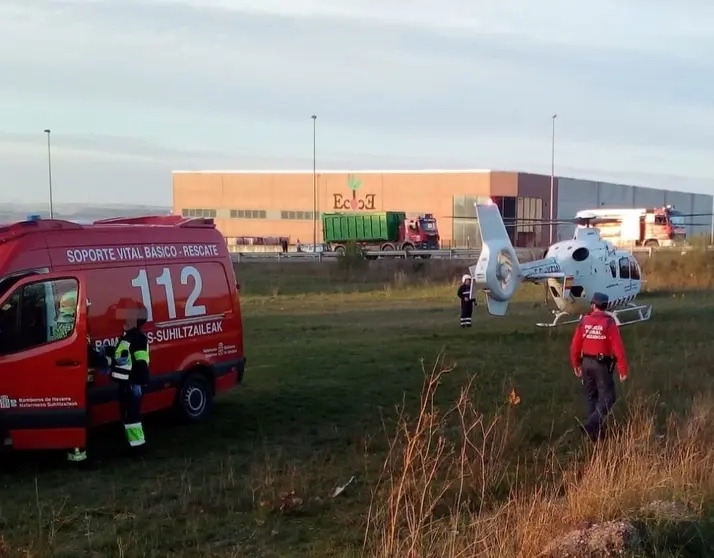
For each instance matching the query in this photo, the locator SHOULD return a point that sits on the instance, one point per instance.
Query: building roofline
(320, 171)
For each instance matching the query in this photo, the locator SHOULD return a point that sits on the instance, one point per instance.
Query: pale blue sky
(133, 89)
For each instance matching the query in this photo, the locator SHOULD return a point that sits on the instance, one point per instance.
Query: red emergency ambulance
(177, 268)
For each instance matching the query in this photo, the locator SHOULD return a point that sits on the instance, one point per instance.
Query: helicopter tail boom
(541, 270)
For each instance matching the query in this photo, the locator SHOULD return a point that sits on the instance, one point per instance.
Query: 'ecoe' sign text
(138, 253)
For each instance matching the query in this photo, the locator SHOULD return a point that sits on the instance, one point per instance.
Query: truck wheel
(651, 244)
(340, 249)
(408, 249)
(195, 398)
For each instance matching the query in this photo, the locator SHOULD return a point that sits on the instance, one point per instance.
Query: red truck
(382, 231)
(177, 268)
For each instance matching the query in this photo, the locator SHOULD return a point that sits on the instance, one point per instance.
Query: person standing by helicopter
(595, 351)
(467, 303)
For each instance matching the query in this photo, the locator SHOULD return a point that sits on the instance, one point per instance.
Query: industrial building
(281, 203)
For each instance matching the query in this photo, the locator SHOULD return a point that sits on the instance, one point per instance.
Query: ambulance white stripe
(192, 320)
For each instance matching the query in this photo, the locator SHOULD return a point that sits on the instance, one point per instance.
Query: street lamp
(314, 182)
(49, 169)
(552, 178)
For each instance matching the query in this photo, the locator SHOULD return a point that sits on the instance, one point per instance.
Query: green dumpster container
(380, 226)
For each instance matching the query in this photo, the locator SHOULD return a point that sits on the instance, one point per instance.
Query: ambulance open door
(43, 362)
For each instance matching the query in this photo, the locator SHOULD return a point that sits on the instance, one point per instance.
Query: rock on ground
(602, 540)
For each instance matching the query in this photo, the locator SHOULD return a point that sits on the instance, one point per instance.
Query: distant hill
(11, 212)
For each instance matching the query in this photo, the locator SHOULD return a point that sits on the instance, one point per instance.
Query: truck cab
(663, 226)
(422, 232)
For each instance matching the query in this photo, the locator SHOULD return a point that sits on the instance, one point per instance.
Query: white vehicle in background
(661, 226)
(312, 248)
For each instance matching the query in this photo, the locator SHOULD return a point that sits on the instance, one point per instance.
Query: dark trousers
(599, 385)
(129, 404)
(467, 310)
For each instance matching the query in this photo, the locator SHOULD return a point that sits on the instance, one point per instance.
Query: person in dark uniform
(595, 351)
(131, 370)
(467, 303)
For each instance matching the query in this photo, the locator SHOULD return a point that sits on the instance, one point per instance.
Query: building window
(465, 231)
(297, 215)
(248, 214)
(205, 213)
(529, 212)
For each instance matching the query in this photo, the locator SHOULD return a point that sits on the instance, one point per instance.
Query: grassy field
(457, 440)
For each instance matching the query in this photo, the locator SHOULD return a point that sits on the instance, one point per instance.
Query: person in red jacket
(595, 350)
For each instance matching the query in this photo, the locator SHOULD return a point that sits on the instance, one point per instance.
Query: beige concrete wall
(378, 191)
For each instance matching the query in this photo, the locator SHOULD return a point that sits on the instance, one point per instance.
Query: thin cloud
(156, 84)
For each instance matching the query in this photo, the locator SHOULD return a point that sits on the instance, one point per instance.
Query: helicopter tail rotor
(497, 272)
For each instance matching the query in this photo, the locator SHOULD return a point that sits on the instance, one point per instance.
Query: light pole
(49, 169)
(552, 178)
(314, 182)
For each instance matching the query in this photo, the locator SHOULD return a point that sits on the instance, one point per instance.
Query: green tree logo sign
(354, 184)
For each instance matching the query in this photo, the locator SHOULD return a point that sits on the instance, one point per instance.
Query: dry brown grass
(679, 270)
(450, 488)
(662, 271)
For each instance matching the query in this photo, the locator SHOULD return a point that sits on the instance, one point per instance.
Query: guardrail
(524, 254)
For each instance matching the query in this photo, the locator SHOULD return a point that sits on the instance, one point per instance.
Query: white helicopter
(572, 269)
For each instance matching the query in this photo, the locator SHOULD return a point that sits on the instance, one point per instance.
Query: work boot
(77, 455)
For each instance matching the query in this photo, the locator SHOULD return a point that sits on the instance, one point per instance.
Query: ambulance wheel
(195, 398)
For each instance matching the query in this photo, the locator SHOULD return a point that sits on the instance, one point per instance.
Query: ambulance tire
(195, 398)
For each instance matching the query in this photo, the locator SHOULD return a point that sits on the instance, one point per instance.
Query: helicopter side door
(625, 283)
(635, 277)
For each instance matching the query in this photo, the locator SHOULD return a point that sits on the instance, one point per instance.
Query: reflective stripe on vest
(121, 347)
(142, 356)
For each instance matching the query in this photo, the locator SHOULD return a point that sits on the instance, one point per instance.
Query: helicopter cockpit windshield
(634, 269)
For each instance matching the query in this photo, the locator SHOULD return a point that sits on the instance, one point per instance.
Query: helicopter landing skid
(644, 313)
(559, 315)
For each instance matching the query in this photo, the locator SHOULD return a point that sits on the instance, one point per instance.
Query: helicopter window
(634, 269)
(624, 268)
(613, 268)
(581, 254)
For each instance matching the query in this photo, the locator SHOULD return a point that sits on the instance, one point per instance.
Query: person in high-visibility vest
(64, 325)
(131, 371)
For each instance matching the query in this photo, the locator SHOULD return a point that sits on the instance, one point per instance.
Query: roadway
(524, 255)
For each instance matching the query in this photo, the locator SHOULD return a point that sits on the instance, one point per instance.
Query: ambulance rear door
(43, 363)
